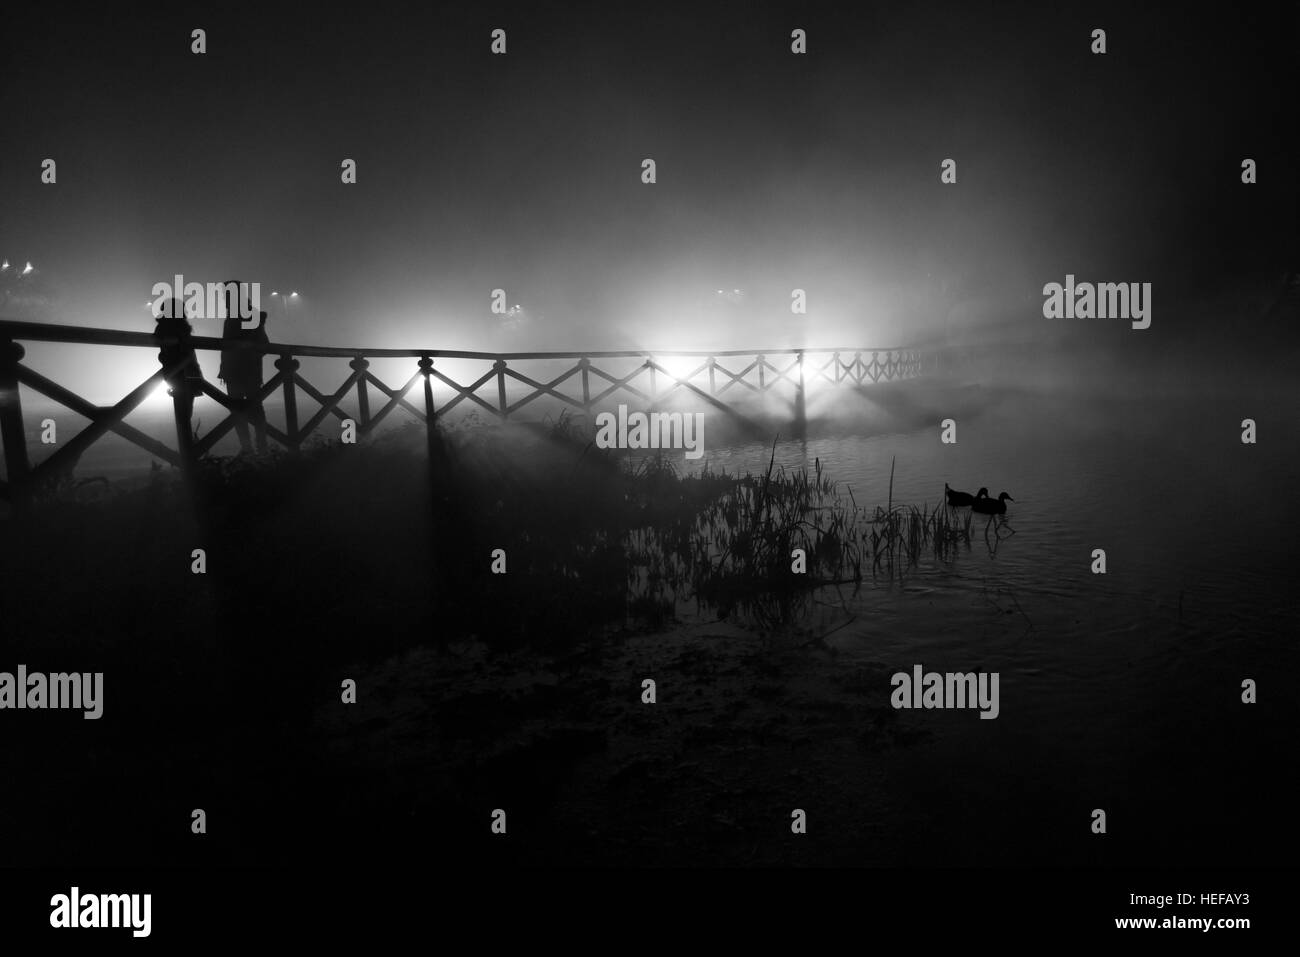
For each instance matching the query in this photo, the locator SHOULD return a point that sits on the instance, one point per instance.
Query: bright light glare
(679, 366)
(27, 269)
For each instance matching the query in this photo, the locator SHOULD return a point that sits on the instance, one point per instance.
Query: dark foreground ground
(477, 692)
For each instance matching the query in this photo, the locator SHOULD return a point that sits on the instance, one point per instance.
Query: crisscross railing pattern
(588, 379)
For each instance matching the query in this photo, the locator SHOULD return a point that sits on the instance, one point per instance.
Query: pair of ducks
(980, 502)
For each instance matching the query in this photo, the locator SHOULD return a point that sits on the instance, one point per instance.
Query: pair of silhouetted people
(241, 368)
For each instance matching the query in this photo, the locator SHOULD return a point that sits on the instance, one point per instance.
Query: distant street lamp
(284, 300)
(514, 318)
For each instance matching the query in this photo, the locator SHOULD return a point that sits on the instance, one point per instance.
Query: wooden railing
(709, 380)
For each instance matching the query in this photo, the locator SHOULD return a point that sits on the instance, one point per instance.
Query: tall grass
(764, 545)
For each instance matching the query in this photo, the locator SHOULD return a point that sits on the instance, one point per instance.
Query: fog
(523, 173)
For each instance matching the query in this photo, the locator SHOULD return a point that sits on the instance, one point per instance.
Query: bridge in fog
(501, 384)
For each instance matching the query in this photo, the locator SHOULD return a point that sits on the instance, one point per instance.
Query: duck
(992, 506)
(962, 499)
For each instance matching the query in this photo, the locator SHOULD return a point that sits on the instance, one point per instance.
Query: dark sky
(522, 171)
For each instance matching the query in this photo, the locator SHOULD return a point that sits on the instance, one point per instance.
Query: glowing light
(293, 295)
(678, 366)
(4, 266)
(28, 268)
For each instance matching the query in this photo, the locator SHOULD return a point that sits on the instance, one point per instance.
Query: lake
(1120, 691)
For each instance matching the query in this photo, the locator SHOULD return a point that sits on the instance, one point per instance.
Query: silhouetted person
(180, 368)
(241, 371)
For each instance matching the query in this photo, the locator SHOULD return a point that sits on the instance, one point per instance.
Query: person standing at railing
(241, 371)
(180, 367)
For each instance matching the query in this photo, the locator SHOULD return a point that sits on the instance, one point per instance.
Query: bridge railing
(587, 379)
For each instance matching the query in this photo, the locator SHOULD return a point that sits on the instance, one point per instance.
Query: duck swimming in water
(991, 506)
(962, 499)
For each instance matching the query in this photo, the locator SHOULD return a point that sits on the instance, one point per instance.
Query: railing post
(584, 364)
(183, 410)
(654, 383)
(800, 412)
(430, 423)
(500, 366)
(11, 423)
(762, 373)
(360, 365)
(288, 367)
(838, 365)
(713, 382)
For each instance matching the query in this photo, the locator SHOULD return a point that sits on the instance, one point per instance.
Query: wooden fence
(582, 385)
